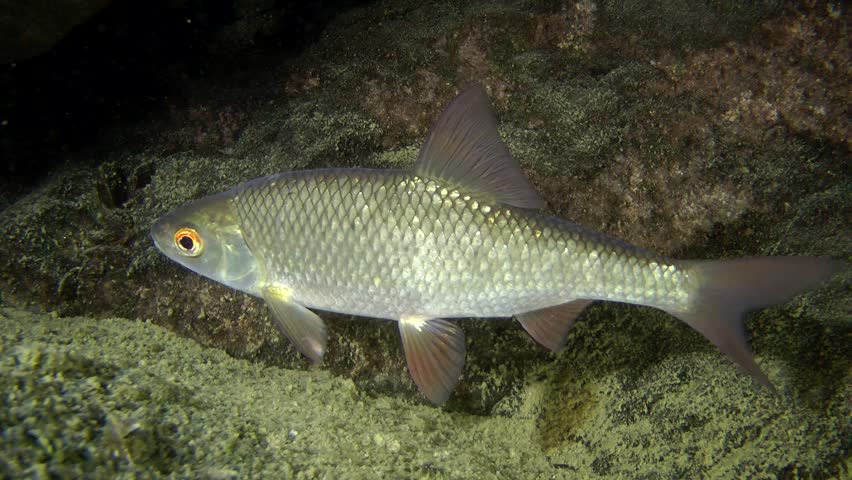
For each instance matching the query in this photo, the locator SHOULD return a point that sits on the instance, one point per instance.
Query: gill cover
(205, 237)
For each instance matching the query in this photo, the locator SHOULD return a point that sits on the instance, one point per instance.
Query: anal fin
(434, 350)
(303, 327)
(550, 326)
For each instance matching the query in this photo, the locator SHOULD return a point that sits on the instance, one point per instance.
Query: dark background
(122, 63)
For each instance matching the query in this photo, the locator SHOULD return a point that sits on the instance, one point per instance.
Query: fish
(462, 233)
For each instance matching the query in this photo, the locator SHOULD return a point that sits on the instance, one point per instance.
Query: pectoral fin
(550, 326)
(434, 350)
(303, 327)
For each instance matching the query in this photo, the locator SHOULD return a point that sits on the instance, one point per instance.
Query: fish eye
(189, 242)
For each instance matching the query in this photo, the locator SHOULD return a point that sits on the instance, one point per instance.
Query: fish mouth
(159, 232)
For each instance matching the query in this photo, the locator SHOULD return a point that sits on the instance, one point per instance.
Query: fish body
(461, 234)
(385, 244)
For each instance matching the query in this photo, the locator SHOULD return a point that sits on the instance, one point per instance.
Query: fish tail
(730, 288)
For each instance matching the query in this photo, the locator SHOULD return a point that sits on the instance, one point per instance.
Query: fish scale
(386, 244)
(461, 234)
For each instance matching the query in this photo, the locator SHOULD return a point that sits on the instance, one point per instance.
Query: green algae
(115, 398)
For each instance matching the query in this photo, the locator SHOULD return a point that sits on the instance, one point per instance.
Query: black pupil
(186, 242)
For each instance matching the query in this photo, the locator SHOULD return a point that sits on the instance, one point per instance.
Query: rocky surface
(114, 398)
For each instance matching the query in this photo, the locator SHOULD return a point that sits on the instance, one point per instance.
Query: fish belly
(387, 244)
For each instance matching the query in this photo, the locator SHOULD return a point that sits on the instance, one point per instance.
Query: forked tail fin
(729, 288)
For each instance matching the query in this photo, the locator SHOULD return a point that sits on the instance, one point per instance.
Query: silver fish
(461, 234)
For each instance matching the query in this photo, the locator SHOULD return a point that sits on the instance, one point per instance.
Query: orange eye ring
(189, 242)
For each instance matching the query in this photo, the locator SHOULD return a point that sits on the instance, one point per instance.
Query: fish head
(205, 237)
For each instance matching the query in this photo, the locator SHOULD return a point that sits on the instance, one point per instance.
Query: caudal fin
(729, 288)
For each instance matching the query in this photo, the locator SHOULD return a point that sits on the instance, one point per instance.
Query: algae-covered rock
(115, 398)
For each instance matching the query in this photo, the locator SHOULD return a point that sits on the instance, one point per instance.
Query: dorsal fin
(465, 149)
